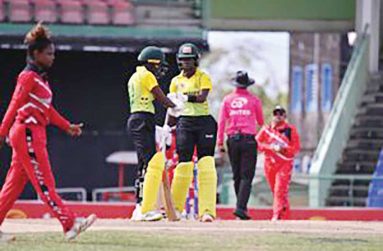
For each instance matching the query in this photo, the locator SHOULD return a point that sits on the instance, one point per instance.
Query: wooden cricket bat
(168, 200)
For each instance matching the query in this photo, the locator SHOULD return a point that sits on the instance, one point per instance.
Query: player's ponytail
(38, 38)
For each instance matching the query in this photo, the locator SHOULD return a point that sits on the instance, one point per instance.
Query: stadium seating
(95, 12)
(71, 11)
(101, 12)
(122, 13)
(98, 12)
(2, 11)
(45, 10)
(19, 11)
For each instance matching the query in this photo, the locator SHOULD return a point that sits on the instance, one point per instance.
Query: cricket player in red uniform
(25, 121)
(280, 143)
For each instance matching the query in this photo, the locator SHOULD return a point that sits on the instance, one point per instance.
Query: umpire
(239, 115)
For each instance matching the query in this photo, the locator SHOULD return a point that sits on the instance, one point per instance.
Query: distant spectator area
(94, 12)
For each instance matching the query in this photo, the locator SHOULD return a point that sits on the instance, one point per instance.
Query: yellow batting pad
(183, 176)
(152, 181)
(207, 181)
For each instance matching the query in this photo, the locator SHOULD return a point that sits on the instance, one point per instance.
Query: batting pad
(183, 176)
(207, 181)
(152, 181)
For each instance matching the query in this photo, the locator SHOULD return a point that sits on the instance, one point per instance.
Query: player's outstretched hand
(75, 130)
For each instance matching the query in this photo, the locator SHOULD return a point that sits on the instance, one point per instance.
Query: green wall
(106, 31)
(281, 9)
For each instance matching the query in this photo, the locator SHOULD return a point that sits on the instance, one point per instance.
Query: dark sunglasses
(278, 113)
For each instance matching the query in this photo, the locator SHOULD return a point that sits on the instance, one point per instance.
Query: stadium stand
(174, 13)
(94, 12)
(122, 13)
(103, 12)
(45, 10)
(71, 12)
(19, 11)
(97, 12)
(362, 151)
(2, 11)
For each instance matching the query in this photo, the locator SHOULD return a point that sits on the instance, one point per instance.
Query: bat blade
(168, 200)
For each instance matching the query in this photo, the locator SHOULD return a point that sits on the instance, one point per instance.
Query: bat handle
(163, 140)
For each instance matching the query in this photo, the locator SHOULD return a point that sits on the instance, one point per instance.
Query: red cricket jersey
(32, 102)
(285, 135)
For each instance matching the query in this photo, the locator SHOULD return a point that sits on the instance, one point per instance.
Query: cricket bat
(168, 200)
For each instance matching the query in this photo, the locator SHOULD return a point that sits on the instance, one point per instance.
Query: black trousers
(195, 131)
(142, 128)
(242, 151)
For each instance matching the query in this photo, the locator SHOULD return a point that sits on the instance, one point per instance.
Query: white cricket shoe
(137, 215)
(207, 218)
(79, 226)
(179, 215)
(152, 216)
(5, 238)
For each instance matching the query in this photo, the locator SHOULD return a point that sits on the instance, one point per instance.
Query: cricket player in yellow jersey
(195, 128)
(143, 89)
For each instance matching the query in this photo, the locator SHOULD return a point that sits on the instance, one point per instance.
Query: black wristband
(192, 98)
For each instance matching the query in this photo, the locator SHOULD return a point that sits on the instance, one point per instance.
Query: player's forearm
(200, 98)
(58, 120)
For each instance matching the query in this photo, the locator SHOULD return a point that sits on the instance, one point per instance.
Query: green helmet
(152, 54)
(188, 50)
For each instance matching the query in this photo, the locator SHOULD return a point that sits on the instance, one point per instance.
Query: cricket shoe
(79, 226)
(5, 238)
(242, 215)
(152, 216)
(207, 218)
(137, 215)
(179, 215)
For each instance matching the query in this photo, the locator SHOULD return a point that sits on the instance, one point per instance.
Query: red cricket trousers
(30, 161)
(278, 175)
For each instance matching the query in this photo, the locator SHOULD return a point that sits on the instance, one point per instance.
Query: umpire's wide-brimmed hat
(241, 79)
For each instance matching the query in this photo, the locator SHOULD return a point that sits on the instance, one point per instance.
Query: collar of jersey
(40, 71)
(197, 72)
(141, 69)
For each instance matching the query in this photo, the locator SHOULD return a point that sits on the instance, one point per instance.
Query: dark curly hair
(38, 38)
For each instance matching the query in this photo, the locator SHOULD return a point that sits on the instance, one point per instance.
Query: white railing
(99, 191)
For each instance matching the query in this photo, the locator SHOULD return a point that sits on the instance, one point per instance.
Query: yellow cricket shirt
(140, 86)
(192, 86)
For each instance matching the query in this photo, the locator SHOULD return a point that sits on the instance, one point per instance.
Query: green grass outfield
(294, 236)
(119, 240)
